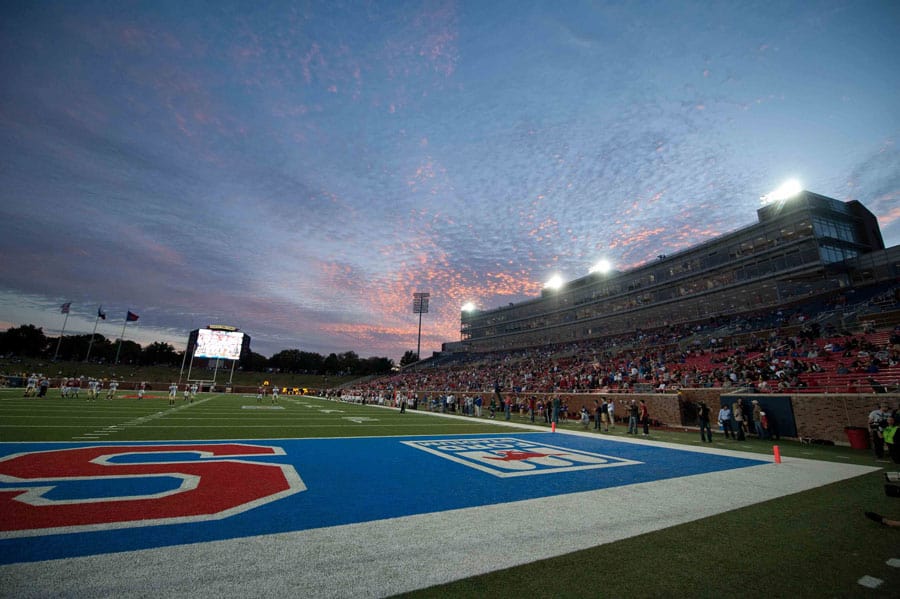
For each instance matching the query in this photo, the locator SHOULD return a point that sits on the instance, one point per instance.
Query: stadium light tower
(420, 306)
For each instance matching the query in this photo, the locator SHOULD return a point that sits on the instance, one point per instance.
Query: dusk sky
(300, 169)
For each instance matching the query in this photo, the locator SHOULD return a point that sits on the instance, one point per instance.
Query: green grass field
(211, 416)
(815, 543)
(162, 375)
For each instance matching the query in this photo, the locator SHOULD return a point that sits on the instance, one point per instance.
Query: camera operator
(877, 423)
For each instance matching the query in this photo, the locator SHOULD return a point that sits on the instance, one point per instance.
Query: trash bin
(858, 437)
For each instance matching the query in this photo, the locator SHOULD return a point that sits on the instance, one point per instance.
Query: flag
(101, 314)
(64, 309)
(131, 316)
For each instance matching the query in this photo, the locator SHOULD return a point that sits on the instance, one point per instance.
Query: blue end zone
(365, 479)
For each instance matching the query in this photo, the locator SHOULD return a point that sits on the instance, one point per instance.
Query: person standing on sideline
(738, 412)
(703, 419)
(497, 395)
(891, 442)
(604, 415)
(611, 413)
(757, 420)
(725, 421)
(877, 422)
(645, 417)
(596, 415)
(555, 419)
(633, 415)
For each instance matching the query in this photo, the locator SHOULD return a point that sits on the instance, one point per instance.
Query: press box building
(800, 247)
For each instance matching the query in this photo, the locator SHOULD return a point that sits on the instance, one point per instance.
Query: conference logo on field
(509, 457)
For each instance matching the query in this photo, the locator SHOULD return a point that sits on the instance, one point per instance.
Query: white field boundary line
(381, 558)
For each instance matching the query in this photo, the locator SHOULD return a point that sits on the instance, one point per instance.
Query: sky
(300, 169)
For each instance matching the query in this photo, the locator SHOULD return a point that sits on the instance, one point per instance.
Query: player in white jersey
(173, 392)
(193, 392)
(92, 389)
(111, 391)
(141, 389)
(274, 394)
(31, 386)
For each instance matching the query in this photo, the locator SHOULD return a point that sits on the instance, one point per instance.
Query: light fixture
(555, 282)
(602, 266)
(786, 190)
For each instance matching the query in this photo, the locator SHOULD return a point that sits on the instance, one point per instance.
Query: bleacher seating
(794, 350)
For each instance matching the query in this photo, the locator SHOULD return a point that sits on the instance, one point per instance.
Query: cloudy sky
(300, 169)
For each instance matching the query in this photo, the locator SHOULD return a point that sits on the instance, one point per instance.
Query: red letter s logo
(208, 490)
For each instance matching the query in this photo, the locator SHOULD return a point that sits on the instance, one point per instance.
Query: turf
(812, 543)
(211, 416)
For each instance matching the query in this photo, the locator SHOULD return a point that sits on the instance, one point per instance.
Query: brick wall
(817, 416)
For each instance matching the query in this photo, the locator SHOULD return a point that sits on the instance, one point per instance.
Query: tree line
(30, 341)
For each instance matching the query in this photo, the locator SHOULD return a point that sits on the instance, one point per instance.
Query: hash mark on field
(870, 582)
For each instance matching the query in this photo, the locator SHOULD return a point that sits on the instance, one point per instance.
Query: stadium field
(229, 497)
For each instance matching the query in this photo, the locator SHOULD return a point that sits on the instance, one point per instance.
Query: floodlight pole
(121, 337)
(191, 364)
(61, 333)
(419, 339)
(93, 333)
(183, 358)
(420, 306)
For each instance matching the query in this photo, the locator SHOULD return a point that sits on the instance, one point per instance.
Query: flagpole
(94, 332)
(118, 349)
(65, 320)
